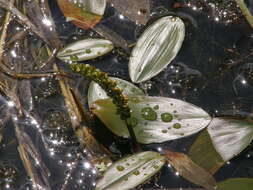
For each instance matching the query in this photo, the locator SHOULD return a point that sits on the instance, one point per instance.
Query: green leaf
(236, 184)
(230, 136)
(203, 153)
(190, 170)
(131, 171)
(154, 119)
(84, 14)
(156, 48)
(85, 50)
(95, 92)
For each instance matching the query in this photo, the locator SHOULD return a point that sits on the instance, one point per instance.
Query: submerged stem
(112, 91)
(245, 11)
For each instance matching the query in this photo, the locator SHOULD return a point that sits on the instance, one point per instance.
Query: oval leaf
(236, 184)
(131, 171)
(189, 170)
(85, 50)
(155, 119)
(85, 13)
(203, 153)
(95, 92)
(230, 136)
(156, 48)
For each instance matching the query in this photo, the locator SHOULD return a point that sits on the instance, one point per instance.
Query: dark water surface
(216, 35)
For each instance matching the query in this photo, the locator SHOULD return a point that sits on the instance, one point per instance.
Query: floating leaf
(156, 48)
(230, 136)
(131, 171)
(96, 92)
(190, 170)
(85, 13)
(137, 11)
(85, 50)
(236, 184)
(155, 119)
(203, 153)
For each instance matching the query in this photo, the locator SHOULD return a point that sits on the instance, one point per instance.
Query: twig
(245, 11)
(22, 18)
(12, 74)
(28, 155)
(4, 31)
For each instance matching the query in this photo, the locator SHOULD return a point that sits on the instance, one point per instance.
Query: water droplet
(173, 19)
(120, 168)
(177, 126)
(136, 172)
(166, 117)
(132, 121)
(74, 58)
(68, 51)
(164, 131)
(88, 51)
(149, 114)
(156, 107)
(135, 100)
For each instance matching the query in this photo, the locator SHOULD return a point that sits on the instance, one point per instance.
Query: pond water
(212, 70)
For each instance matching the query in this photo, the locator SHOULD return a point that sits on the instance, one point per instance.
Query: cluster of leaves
(151, 119)
(158, 119)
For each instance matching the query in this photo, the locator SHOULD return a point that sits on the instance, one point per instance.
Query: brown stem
(21, 18)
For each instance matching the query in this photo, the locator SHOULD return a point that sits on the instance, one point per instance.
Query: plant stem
(245, 11)
(22, 18)
(112, 91)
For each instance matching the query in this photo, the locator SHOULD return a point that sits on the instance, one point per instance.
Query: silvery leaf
(131, 171)
(155, 119)
(95, 92)
(85, 50)
(230, 136)
(156, 48)
(94, 6)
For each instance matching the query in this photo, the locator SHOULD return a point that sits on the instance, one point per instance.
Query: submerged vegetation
(71, 119)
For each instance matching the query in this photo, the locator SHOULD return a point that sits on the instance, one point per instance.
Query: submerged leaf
(190, 170)
(236, 184)
(85, 13)
(137, 11)
(95, 92)
(203, 153)
(155, 119)
(230, 136)
(131, 171)
(156, 48)
(85, 50)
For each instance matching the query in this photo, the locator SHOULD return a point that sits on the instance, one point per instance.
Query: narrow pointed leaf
(85, 50)
(190, 170)
(84, 13)
(95, 92)
(230, 136)
(131, 171)
(156, 48)
(155, 119)
(137, 11)
(236, 184)
(203, 153)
